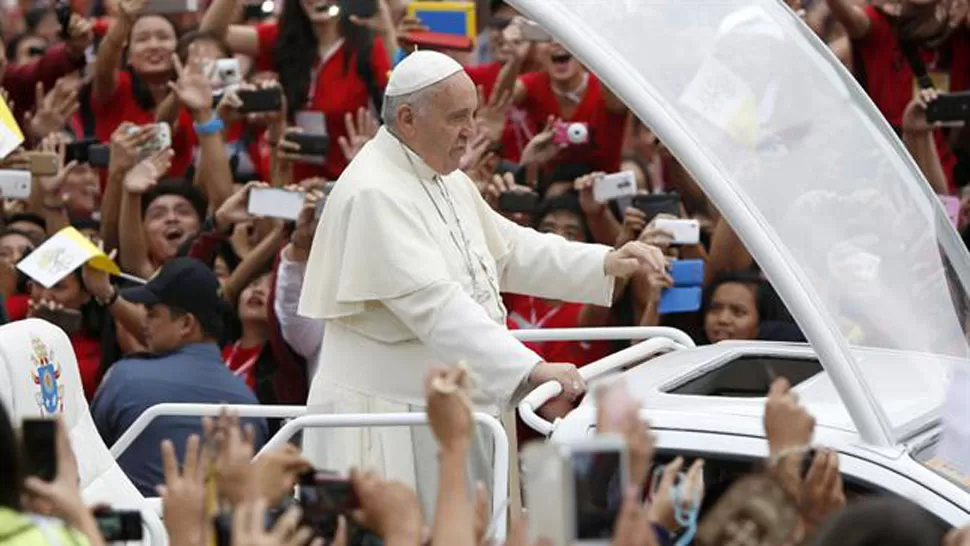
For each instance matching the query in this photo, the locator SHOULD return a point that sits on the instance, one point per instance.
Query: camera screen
(596, 476)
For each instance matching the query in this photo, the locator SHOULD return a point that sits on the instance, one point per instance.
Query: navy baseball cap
(186, 284)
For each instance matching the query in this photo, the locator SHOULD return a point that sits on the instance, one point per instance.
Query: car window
(927, 457)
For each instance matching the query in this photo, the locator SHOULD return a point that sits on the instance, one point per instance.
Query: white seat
(39, 377)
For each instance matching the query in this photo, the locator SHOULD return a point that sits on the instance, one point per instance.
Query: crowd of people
(218, 320)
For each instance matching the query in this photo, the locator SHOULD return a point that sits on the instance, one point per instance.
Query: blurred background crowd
(157, 155)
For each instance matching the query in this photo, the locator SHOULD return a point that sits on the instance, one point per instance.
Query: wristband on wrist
(211, 127)
(110, 300)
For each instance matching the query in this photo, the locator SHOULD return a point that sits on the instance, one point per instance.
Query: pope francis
(407, 269)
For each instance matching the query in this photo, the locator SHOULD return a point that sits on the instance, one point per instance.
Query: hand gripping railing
(661, 340)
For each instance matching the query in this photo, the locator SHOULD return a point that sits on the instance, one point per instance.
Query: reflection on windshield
(779, 121)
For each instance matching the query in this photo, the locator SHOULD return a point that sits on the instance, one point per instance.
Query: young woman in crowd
(130, 82)
(330, 64)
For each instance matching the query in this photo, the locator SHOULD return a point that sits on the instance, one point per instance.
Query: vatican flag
(11, 136)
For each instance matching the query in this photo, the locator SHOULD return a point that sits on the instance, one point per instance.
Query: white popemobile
(837, 214)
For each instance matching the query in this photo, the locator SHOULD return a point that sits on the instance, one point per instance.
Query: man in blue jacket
(184, 364)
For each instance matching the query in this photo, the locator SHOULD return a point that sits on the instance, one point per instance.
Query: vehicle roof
(910, 387)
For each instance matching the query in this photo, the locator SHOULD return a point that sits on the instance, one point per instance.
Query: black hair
(495, 5)
(767, 302)
(28, 217)
(568, 202)
(563, 172)
(193, 36)
(296, 53)
(180, 187)
(85, 222)
(212, 324)
(882, 521)
(11, 479)
(34, 16)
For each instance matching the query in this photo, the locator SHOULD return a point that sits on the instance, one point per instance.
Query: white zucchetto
(419, 70)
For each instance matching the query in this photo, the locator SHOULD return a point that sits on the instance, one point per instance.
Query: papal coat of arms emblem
(46, 374)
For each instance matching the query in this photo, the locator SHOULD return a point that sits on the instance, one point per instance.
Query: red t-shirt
(242, 361)
(889, 80)
(519, 129)
(606, 128)
(336, 93)
(526, 312)
(122, 107)
(17, 307)
(88, 353)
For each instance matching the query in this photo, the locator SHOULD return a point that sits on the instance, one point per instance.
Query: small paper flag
(11, 137)
(61, 255)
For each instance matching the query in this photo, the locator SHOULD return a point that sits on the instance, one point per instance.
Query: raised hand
(147, 173)
(130, 9)
(125, 146)
(80, 36)
(235, 209)
(192, 88)
(56, 144)
(51, 111)
(449, 408)
(542, 148)
(183, 495)
(492, 115)
(360, 130)
(390, 509)
(249, 527)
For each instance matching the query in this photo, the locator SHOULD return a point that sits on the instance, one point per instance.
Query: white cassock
(406, 269)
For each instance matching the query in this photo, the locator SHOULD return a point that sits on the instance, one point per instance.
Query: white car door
(855, 470)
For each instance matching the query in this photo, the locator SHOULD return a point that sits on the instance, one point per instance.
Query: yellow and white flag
(60, 255)
(11, 136)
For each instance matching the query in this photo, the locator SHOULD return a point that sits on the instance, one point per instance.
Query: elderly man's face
(443, 127)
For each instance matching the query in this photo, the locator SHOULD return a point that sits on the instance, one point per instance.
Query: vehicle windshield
(927, 456)
(798, 160)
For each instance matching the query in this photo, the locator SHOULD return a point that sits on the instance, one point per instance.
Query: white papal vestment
(406, 270)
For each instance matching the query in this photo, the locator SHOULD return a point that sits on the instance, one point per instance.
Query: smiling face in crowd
(151, 45)
(561, 64)
(319, 11)
(84, 188)
(169, 220)
(732, 314)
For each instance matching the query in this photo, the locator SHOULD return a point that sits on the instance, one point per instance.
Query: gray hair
(418, 100)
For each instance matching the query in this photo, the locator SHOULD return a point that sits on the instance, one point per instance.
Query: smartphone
(365, 9)
(685, 231)
(78, 151)
(119, 525)
(44, 163)
(276, 203)
(518, 202)
(533, 32)
(322, 491)
(68, 320)
(657, 203)
(570, 489)
(687, 272)
(14, 184)
(310, 145)
(99, 155)
(167, 7)
(161, 140)
(224, 73)
(614, 186)
(39, 442)
(261, 100)
(675, 300)
(615, 401)
(949, 107)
